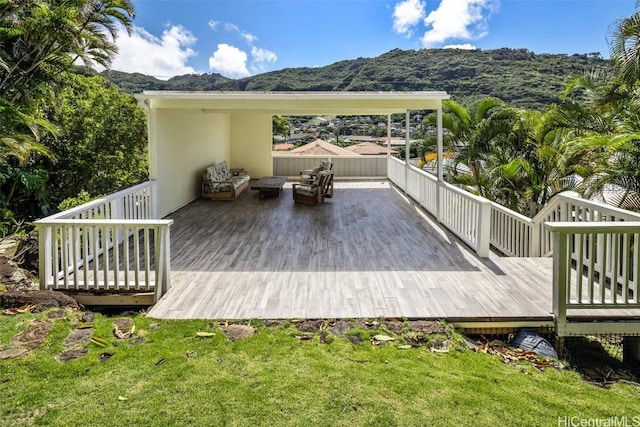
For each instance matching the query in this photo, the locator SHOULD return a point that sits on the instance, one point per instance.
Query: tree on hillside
(39, 43)
(281, 126)
(534, 163)
(102, 145)
(38, 40)
(625, 47)
(517, 158)
(470, 134)
(607, 123)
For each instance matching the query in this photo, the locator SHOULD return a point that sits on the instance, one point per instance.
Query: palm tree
(625, 47)
(606, 129)
(543, 164)
(20, 133)
(281, 126)
(41, 39)
(471, 134)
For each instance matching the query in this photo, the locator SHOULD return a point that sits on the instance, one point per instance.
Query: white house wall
(251, 143)
(185, 143)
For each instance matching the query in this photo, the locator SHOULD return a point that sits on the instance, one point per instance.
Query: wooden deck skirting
(368, 252)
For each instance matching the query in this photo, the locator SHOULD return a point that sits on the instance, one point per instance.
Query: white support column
(440, 143)
(483, 242)
(440, 156)
(407, 153)
(154, 200)
(388, 135)
(559, 296)
(407, 145)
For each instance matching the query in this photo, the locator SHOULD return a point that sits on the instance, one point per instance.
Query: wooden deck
(368, 252)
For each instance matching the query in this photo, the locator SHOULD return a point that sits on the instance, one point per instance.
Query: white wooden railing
(517, 235)
(481, 223)
(355, 166)
(512, 233)
(463, 213)
(115, 243)
(596, 247)
(609, 253)
(396, 172)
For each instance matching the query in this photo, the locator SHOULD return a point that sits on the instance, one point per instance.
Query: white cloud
(232, 28)
(250, 38)
(263, 55)
(458, 19)
(465, 46)
(261, 59)
(229, 61)
(162, 57)
(232, 61)
(406, 15)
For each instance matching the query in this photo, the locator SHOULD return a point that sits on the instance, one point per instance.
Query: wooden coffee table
(269, 186)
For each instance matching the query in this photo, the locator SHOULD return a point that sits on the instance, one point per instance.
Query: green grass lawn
(172, 377)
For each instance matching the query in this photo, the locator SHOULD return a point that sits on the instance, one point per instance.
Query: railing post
(483, 230)
(560, 274)
(154, 200)
(163, 261)
(439, 199)
(44, 255)
(534, 240)
(564, 211)
(117, 212)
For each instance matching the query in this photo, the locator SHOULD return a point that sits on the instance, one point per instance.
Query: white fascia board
(291, 103)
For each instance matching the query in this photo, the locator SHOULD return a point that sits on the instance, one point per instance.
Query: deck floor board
(367, 252)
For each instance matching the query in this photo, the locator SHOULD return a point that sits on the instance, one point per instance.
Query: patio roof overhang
(297, 103)
(187, 129)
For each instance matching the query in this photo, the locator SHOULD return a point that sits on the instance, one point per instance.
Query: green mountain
(518, 76)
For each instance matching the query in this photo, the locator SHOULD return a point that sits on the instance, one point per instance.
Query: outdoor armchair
(317, 191)
(307, 176)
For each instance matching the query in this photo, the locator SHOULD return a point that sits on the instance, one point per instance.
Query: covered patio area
(368, 252)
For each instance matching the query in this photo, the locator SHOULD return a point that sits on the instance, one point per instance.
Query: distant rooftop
(369, 148)
(321, 147)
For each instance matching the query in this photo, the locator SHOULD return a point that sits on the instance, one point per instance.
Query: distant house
(282, 147)
(394, 141)
(361, 138)
(320, 147)
(369, 149)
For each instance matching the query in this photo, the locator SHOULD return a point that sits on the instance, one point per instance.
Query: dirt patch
(238, 332)
(18, 267)
(33, 336)
(340, 328)
(395, 326)
(427, 326)
(310, 325)
(41, 299)
(72, 354)
(367, 324)
(273, 323)
(78, 337)
(13, 353)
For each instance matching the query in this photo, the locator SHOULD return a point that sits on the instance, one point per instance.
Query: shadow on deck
(368, 252)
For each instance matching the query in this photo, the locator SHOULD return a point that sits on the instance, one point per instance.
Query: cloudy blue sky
(247, 37)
